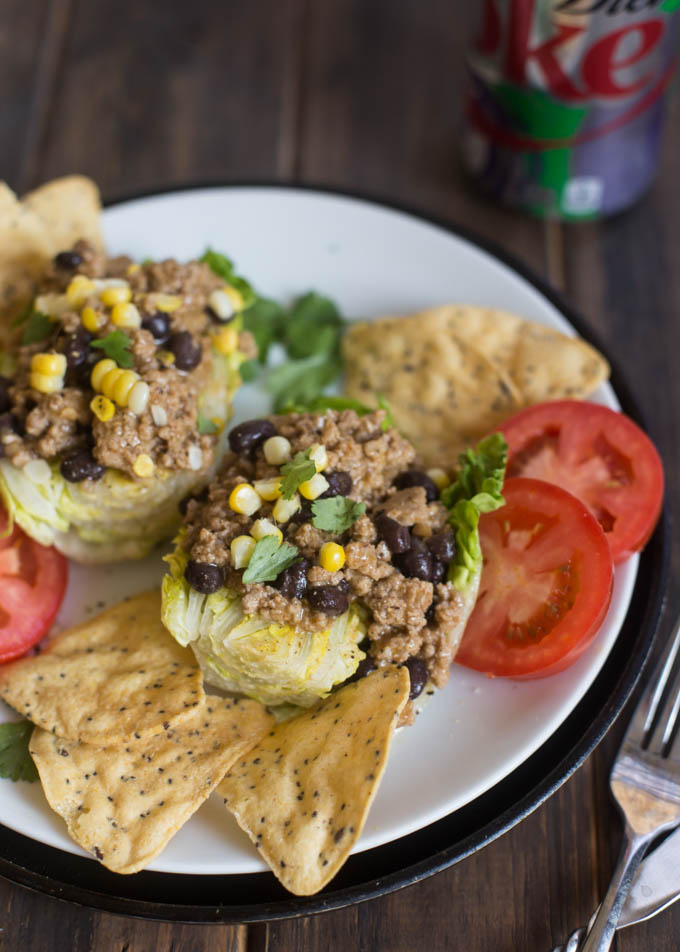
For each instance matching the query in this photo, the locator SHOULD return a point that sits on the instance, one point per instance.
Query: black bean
(429, 614)
(5, 401)
(204, 577)
(417, 562)
(396, 537)
(442, 545)
(292, 582)
(158, 325)
(183, 504)
(339, 484)
(416, 477)
(68, 260)
(304, 513)
(363, 668)
(417, 670)
(328, 599)
(246, 437)
(438, 571)
(75, 347)
(79, 466)
(10, 421)
(187, 350)
(343, 585)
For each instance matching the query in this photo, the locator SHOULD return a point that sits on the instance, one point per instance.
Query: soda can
(566, 101)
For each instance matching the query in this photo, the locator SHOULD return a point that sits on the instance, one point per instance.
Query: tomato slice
(32, 585)
(597, 454)
(546, 583)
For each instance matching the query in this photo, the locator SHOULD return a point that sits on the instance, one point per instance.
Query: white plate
(371, 260)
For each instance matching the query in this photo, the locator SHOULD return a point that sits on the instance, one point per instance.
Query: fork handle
(600, 936)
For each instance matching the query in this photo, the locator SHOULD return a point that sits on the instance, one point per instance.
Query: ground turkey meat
(171, 353)
(406, 615)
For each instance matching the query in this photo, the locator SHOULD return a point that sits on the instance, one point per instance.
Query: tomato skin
(32, 585)
(597, 454)
(546, 584)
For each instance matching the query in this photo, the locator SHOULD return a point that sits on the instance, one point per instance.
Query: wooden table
(361, 95)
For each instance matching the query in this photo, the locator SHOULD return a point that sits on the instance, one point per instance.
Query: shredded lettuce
(275, 664)
(477, 489)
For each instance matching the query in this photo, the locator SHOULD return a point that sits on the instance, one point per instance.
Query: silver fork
(645, 782)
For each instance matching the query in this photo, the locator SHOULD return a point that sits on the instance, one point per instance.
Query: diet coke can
(566, 102)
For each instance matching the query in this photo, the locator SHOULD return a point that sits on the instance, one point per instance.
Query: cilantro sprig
(37, 327)
(15, 760)
(116, 345)
(296, 471)
(337, 513)
(268, 560)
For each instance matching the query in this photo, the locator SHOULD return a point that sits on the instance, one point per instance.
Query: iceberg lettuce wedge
(246, 654)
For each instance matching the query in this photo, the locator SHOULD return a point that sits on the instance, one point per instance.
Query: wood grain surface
(363, 95)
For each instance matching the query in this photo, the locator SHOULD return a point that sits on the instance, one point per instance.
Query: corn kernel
(138, 397)
(144, 466)
(285, 509)
(166, 357)
(439, 477)
(331, 556)
(218, 422)
(102, 407)
(52, 365)
(244, 500)
(277, 450)
(133, 269)
(314, 487)
(91, 320)
(108, 381)
(122, 387)
(269, 489)
(241, 550)
(220, 304)
(264, 527)
(167, 302)
(99, 371)
(78, 290)
(319, 456)
(235, 297)
(125, 314)
(225, 341)
(45, 383)
(159, 414)
(116, 295)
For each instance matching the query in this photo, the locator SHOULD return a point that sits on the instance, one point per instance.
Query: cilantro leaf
(223, 267)
(269, 559)
(313, 326)
(116, 346)
(205, 426)
(296, 471)
(264, 319)
(336, 514)
(301, 381)
(15, 760)
(23, 315)
(329, 402)
(38, 327)
(247, 370)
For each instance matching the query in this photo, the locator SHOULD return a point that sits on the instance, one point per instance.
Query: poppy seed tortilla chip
(123, 804)
(452, 374)
(69, 209)
(24, 252)
(118, 675)
(302, 795)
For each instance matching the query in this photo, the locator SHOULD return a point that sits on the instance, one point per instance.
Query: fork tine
(648, 707)
(664, 726)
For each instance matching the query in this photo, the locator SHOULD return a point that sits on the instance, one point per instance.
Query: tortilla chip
(303, 794)
(24, 251)
(69, 209)
(123, 804)
(118, 675)
(452, 374)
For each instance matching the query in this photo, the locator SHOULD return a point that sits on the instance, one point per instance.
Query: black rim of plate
(257, 897)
